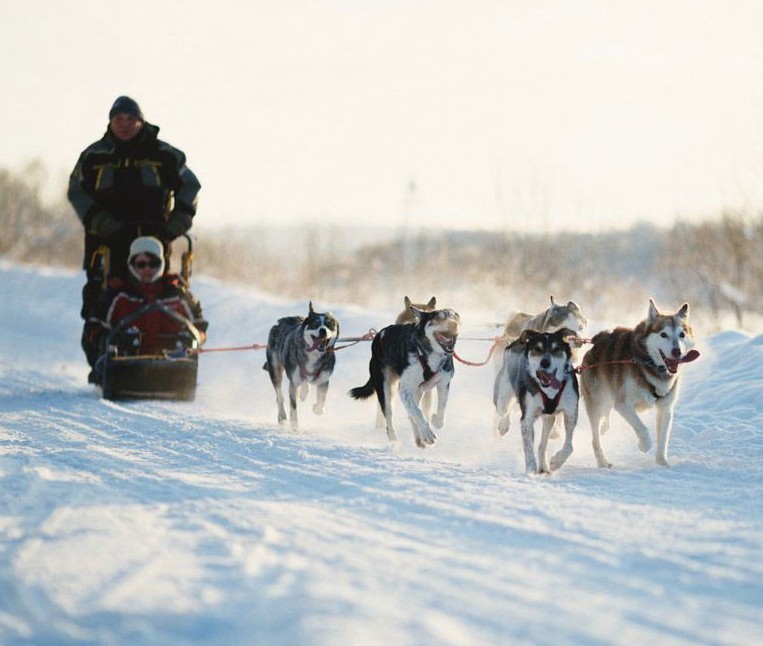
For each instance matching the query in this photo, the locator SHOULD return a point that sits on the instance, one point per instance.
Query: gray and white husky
(414, 358)
(632, 370)
(302, 347)
(554, 318)
(537, 372)
(550, 320)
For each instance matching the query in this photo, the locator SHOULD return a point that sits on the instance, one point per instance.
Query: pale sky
(518, 114)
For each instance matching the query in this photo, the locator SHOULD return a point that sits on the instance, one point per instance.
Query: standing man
(127, 184)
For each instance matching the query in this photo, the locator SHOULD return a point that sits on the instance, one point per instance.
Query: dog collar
(651, 365)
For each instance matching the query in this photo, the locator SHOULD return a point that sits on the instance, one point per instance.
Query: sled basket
(150, 377)
(170, 374)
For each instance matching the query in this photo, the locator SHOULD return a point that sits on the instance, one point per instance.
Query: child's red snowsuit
(158, 329)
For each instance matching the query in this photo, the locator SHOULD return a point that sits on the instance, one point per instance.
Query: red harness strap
(549, 405)
(428, 373)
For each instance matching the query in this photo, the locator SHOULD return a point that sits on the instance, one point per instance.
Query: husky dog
(537, 372)
(416, 357)
(631, 370)
(303, 349)
(406, 316)
(550, 320)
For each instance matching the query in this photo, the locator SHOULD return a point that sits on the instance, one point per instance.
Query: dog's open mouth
(672, 364)
(321, 343)
(446, 341)
(548, 379)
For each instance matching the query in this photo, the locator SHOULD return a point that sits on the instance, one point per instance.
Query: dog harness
(428, 372)
(550, 404)
(312, 376)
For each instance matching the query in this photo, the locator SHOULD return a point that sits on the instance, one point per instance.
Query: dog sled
(169, 373)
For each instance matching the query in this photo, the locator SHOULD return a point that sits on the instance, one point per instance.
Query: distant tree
(32, 231)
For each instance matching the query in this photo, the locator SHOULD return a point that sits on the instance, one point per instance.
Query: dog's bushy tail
(362, 392)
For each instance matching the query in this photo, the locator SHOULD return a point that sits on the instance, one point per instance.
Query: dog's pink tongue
(690, 356)
(317, 341)
(552, 380)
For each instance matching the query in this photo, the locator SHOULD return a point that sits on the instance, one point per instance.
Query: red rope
(262, 346)
(254, 346)
(497, 341)
(585, 366)
(368, 336)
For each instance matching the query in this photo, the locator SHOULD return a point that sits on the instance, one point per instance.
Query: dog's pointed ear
(683, 311)
(526, 335)
(407, 301)
(417, 313)
(551, 296)
(311, 310)
(432, 302)
(653, 311)
(565, 332)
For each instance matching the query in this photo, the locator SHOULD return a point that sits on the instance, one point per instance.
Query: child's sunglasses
(142, 264)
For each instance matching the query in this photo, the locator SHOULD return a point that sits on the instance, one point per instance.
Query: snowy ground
(204, 523)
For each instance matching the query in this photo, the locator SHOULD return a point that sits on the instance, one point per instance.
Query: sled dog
(554, 318)
(631, 370)
(537, 372)
(415, 357)
(301, 347)
(550, 320)
(406, 316)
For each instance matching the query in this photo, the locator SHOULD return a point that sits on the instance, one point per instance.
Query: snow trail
(190, 523)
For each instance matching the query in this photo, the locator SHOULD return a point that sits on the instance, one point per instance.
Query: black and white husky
(537, 372)
(303, 349)
(415, 357)
(554, 318)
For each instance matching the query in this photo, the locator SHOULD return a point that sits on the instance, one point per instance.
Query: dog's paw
(662, 461)
(438, 421)
(317, 409)
(558, 460)
(644, 443)
(504, 424)
(425, 437)
(531, 466)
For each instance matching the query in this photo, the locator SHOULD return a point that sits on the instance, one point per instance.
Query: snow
(205, 523)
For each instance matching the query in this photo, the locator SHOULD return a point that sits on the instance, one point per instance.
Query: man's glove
(177, 224)
(103, 224)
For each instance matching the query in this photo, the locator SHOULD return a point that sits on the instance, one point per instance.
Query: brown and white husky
(632, 370)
